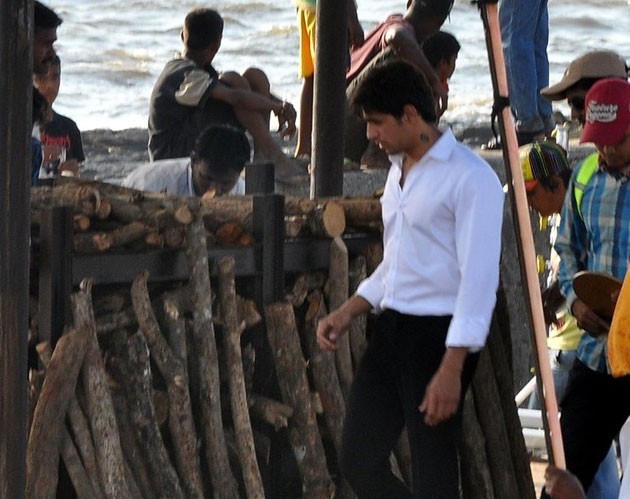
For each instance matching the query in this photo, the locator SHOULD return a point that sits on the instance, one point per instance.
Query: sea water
(112, 51)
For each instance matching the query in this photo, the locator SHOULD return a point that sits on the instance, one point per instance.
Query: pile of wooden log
(108, 217)
(134, 397)
(142, 397)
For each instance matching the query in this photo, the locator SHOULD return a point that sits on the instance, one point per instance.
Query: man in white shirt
(434, 291)
(215, 166)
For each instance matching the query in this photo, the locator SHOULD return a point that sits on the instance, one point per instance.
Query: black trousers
(594, 408)
(401, 358)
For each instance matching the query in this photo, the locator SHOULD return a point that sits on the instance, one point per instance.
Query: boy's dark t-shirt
(174, 127)
(63, 131)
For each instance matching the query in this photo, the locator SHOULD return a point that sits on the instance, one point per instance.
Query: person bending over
(213, 168)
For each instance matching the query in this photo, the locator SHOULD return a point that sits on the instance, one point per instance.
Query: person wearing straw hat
(594, 235)
(546, 172)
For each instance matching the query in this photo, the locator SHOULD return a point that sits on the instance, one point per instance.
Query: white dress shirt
(173, 176)
(442, 241)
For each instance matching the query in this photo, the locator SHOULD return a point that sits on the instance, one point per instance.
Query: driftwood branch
(337, 295)
(303, 432)
(223, 482)
(133, 365)
(238, 398)
(180, 416)
(322, 365)
(47, 431)
(100, 407)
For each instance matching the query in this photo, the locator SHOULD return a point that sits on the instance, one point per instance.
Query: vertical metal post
(268, 221)
(329, 98)
(55, 272)
(16, 65)
(259, 178)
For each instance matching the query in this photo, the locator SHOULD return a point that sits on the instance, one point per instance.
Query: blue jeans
(525, 33)
(606, 483)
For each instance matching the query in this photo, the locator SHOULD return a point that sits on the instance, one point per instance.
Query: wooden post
(16, 61)
(55, 272)
(269, 229)
(259, 178)
(527, 252)
(329, 98)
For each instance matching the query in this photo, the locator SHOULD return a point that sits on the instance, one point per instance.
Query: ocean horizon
(112, 51)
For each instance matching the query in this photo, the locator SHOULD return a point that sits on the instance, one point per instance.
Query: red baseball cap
(607, 106)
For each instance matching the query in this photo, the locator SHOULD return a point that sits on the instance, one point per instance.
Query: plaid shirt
(600, 242)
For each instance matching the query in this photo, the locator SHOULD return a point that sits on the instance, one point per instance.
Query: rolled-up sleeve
(373, 289)
(479, 216)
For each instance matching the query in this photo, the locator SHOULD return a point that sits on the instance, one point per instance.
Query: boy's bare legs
(257, 124)
(305, 127)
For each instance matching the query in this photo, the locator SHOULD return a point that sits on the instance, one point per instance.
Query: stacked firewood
(107, 216)
(135, 400)
(153, 390)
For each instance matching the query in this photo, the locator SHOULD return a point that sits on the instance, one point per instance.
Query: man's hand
(589, 320)
(332, 327)
(443, 393)
(335, 324)
(69, 168)
(286, 120)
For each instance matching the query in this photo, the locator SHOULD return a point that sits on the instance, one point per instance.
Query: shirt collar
(619, 174)
(440, 151)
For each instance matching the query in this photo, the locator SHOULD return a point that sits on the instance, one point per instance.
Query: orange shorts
(306, 21)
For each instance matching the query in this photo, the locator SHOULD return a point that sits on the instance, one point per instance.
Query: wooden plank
(16, 38)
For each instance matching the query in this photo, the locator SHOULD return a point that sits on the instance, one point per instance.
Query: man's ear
(409, 113)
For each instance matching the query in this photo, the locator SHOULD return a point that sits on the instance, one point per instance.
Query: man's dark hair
(389, 87)
(45, 17)
(204, 26)
(224, 147)
(440, 46)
